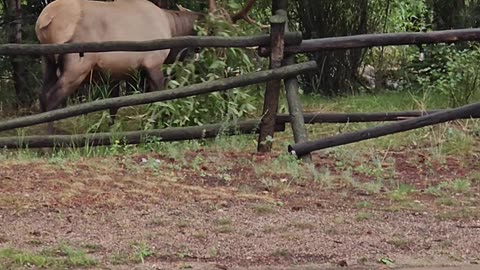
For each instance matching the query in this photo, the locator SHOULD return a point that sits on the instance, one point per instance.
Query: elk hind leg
(73, 75)
(115, 92)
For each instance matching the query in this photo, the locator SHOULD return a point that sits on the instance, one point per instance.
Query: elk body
(76, 21)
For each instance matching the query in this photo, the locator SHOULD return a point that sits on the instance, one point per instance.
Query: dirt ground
(229, 210)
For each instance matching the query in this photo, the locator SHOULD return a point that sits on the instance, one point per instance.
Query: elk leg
(49, 79)
(156, 79)
(74, 73)
(115, 93)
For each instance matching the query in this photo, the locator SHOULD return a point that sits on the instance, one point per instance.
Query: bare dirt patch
(223, 210)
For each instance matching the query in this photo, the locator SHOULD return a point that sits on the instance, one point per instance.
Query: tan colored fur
(76, 21)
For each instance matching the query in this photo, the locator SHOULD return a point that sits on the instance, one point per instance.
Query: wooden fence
(280, 46)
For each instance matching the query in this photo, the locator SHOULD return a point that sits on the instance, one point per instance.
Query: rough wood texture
(296, 116)
(372, 40)
(338, 118)
(272, 91)
(132, 137)
(422, 121)
(159, 44)
(197, 89)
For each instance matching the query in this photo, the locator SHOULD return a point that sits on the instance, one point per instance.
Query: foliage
(449, 71)
(442, 70)
(339, 70)
(214, 64)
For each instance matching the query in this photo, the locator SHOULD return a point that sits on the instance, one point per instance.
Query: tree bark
(15, 36)
(272, 92)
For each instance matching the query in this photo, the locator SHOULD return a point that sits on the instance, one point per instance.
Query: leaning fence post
(295, 110)
(272, 92)
(297, 120)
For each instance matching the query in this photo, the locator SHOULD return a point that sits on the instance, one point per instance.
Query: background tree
(14, 16)
(330, 18)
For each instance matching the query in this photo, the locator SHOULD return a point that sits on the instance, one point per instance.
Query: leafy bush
(449, 71)
(214, 64)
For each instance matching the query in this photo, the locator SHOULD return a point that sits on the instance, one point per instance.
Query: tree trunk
(15, 36)
(448, 14)
(332, 18)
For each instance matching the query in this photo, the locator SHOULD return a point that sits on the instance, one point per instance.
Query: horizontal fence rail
(375, 40)
(139, 99)
(293, 38)
(133, 137)
(339, 118)
(467, 111)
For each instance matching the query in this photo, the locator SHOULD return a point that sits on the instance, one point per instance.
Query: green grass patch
(10, 258)
(402, 193)
(62, 257)
(263, 209)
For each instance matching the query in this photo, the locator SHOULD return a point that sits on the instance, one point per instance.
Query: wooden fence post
(272, 92)
(295, 109)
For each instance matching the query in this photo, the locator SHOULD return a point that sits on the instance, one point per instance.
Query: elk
(77, 21)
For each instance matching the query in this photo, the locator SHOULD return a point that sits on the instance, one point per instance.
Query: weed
(405, 205)
(183, 224)
(200, 235)
(263, 209)
(284, 164)
(69, 255)
(281, 253)
(402, 193)
(400, 242)
(119, 258)
(225, 229)
(197, 162)
(141, 252)
(447, 201)
(223, 221)
(460, 186)
(213, 252)
(224, 225)
(464, 213)
(323, 177)
(369, 188)
(363, 204)
(10, 257)
(34, 242)
(75, 257)
(92, 247)
(362, 216)
(275, 185)
(437, 190)
(63, 256)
